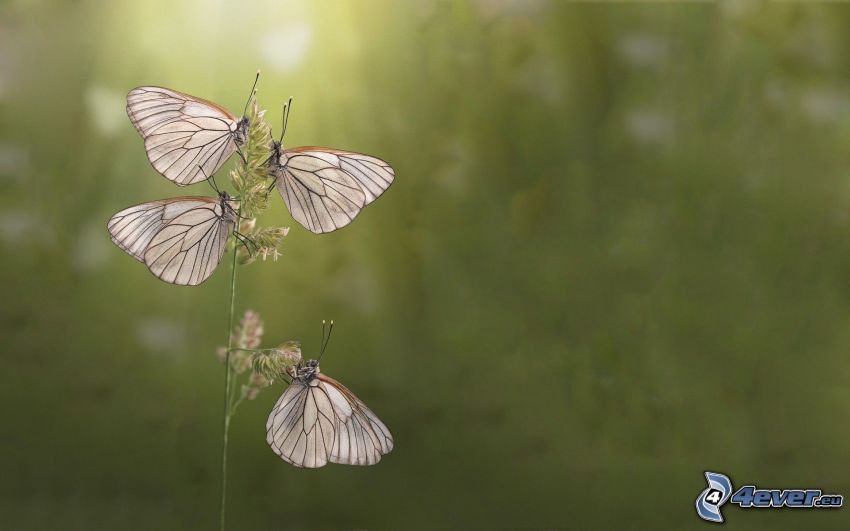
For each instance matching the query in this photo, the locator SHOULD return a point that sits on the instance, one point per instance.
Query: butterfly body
(240, 130)
(278, 158)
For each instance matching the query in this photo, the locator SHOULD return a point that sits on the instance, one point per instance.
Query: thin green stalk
(227, 376)
(247, 179)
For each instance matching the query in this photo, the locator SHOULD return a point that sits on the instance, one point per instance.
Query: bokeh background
(615, 256)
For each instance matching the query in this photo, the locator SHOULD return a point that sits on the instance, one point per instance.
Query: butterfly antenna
(325, 340)
(282, 131)
(244, 111)
(287, 107)
(322, 341)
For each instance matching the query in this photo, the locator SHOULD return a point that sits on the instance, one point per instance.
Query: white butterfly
(187, 139)
(326, 188)
(180, 240)
(317, 419)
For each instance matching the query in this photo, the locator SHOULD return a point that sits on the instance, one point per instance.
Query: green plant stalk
(248, 180)
(227, 376)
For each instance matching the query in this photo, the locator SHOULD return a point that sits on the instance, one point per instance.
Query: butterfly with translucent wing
(187, 139)
(181, 240)
(325, 188)
(318, 420)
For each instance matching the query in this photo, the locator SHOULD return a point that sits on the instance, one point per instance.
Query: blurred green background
(615, 256)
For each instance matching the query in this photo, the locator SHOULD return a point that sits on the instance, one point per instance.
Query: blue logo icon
(712, 499)
(720, 491)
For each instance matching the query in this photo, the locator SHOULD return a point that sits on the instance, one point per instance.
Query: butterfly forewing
(180, 240)
(325, 189)
(301, 428)
(320, 421)
(187, 139)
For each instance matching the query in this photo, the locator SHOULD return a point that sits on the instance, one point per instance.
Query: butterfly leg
(241, 240)
(210, 179)
(235, 213)
(241, 155)
(272, 185)
(244, 240)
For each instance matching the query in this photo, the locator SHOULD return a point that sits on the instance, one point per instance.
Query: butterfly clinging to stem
(186, 138)
(325, 188)
(181, 240)
(318, 420)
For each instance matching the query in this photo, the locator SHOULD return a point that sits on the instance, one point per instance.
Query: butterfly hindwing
(361, 438)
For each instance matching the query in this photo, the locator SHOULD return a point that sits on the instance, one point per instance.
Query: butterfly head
(279, 158)
(307, 371)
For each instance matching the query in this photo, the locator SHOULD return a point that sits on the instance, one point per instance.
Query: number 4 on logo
(714, 496)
